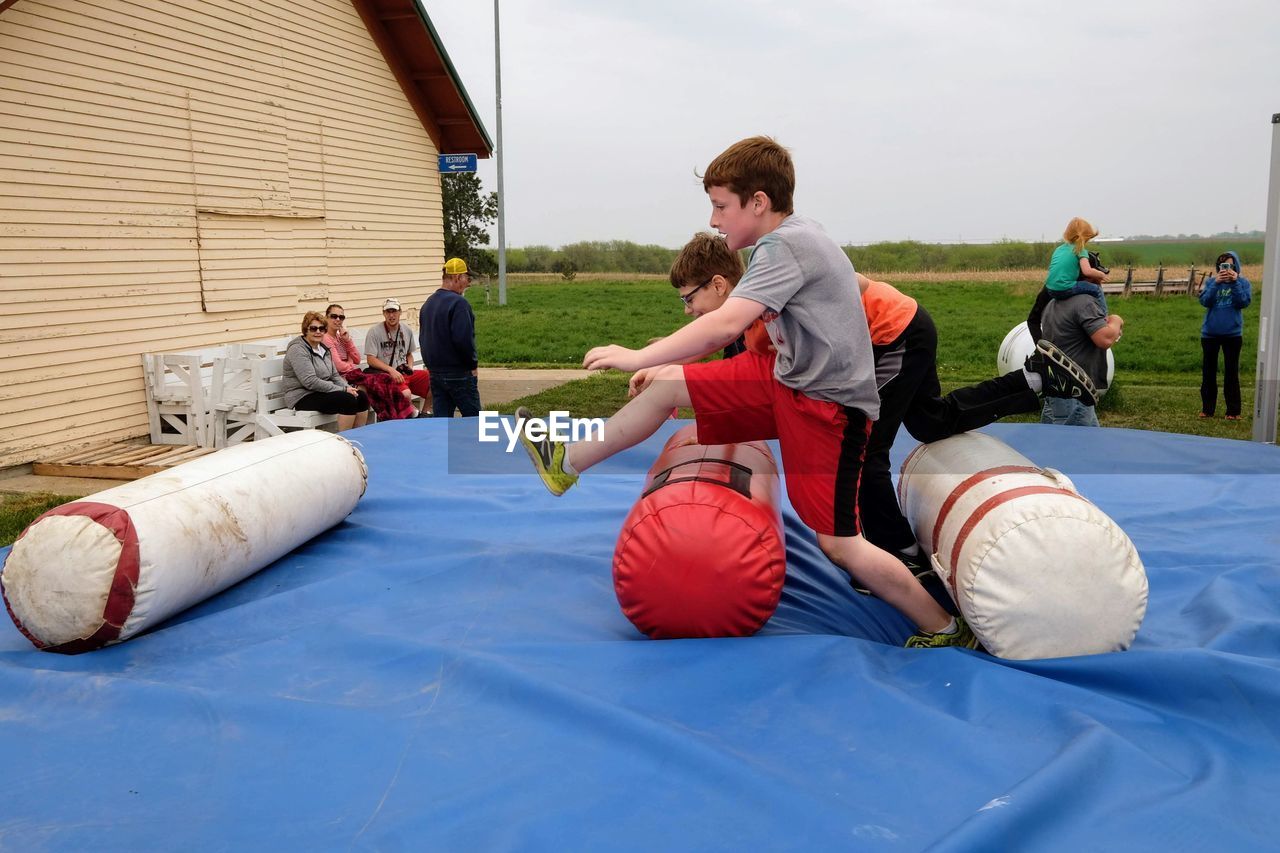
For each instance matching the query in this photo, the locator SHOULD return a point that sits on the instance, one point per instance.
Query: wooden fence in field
(1162, 286)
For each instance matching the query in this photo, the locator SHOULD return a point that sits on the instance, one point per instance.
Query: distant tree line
(468, 211)
(905, 256)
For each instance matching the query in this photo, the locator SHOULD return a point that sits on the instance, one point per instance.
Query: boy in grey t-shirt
(817, 396)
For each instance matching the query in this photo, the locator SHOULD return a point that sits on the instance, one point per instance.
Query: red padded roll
(701, 553)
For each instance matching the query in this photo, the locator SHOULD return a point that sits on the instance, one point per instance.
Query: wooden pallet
(117, 461)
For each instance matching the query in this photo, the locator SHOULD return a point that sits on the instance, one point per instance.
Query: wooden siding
(177, 175)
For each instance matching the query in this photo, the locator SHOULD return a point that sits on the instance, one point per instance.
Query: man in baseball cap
(388, 347)
(448, 327)
(456, 266)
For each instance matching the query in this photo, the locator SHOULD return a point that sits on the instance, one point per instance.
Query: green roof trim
(453, 73)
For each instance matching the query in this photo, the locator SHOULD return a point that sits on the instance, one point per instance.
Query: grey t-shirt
(394, 348)
(1069, 323)
(814, 314)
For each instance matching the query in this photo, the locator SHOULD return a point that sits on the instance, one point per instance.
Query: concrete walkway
(498, 385)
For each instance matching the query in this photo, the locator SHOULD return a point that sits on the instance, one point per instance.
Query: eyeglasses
(317, 328)
(390, 310)
(687, 298)
(337, 316)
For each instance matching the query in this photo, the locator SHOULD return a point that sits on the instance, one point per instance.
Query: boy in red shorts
(905, 344)
(816, 394)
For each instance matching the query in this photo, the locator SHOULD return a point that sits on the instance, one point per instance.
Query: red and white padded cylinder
(99, 570)
(1037, 570)
(702, 554)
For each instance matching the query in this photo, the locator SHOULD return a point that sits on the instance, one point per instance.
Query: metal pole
(502, 196)
(1265, 398)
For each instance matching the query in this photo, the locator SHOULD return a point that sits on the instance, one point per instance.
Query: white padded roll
(99, 570)
(1037, 570)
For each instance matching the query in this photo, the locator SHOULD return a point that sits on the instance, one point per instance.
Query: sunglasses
(687, 298)
(337, 316)
(317, 328)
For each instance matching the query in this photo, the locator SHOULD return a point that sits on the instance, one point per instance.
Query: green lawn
(17, 511)
(1157, 363)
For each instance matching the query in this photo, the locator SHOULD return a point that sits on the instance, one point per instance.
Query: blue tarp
(448, 669)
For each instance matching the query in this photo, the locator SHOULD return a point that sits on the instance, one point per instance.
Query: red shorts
(419, 382)
(823, 444)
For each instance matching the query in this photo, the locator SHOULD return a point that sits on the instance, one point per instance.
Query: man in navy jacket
(447, 326)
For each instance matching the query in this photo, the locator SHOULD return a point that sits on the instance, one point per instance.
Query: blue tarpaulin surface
(448, 669)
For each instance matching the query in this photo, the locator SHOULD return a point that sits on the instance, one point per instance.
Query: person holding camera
(448, 328)
(312, 382)
(388, 347)
(1225, 294)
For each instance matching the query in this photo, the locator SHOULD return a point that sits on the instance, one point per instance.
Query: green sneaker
(547, 456)
(962, 636)
(1060, 374)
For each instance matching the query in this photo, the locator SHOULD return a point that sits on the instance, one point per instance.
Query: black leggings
(333, 403)
(907, 373)
(1230, 347)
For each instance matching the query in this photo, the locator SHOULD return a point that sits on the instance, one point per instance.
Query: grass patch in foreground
(17, 511)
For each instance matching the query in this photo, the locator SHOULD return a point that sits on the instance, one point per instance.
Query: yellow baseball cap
(455, 266)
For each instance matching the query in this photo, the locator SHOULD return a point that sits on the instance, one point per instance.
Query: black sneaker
(920, 570)
(1061, 376)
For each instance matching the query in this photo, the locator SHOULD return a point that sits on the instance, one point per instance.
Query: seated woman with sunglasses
(386, 398)
(312, 382)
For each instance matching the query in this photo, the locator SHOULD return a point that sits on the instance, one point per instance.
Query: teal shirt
(1064, 267)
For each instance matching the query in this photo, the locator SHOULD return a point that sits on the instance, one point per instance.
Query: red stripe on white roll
(977, 516)
(968, 483)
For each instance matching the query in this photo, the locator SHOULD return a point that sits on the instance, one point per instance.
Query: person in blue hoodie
(1224, 295)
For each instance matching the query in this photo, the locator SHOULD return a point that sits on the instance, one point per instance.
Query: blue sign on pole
(457, 162)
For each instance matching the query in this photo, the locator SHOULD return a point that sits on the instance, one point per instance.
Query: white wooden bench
(233, 401)
(271, 416)
(177, 388)
(224, 395)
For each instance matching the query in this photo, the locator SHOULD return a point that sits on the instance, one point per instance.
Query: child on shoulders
(1070, 272)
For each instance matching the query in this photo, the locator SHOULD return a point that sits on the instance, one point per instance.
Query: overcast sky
(935, 120)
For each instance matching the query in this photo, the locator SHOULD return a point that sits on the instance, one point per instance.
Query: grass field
(1177, 253)
(1157, 363)
(17, 511)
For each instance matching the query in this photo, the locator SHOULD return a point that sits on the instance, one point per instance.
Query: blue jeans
(1086, 287)
(450, 392)
(1068, 412)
